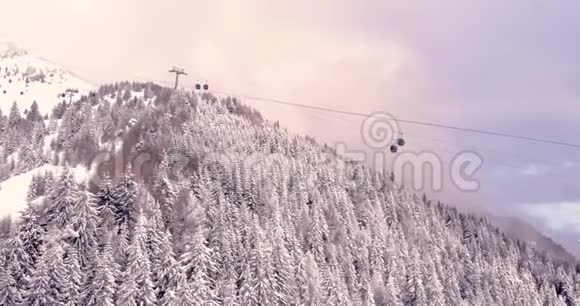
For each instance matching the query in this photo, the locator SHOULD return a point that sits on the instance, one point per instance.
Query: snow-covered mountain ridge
(10, 50)
(25, 78)
(201, 202)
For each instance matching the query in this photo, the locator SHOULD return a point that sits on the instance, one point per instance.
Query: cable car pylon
(70, 92)
(178, 72)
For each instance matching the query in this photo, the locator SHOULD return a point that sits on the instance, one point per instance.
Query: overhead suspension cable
(436, 125)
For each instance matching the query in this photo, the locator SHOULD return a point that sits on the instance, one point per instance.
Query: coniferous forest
(201, 201)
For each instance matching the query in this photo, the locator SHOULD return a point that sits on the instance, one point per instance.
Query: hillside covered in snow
(25, 78)
(191, 199)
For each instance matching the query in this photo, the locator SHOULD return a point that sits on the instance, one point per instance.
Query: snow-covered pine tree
(33, 114)
(282, 264)
(136, 287)
(576, 294)
(30, 233)
(49, 282)
(222, 243)
(49, 181)
(450, 285)
(164, 265)
(121, 243)
(433, 287)
(84, 222)
(165, 195)
(10, 294)
(414, 291)
(105, 205)
(184, 295)
(257, 277)
(125, 194)
(17, 261)
(314, 295)
(14, 117)
(39, 288)
(72, 270)
(168, 299)
(3, 122)
(392, 292)
(102, 289)
(62, 200)
(197, 263)
(28, 158)
(33, 188)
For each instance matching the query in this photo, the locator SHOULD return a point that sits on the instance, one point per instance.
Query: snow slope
(13, 191)
(25, 78)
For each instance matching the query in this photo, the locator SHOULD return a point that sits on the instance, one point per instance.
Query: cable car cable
(569, 186)
(437, 125)
(468, 146)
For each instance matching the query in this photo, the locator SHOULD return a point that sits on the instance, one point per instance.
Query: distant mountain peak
(25, 78)
(11, 50)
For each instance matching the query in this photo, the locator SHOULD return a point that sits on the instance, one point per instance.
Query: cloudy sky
(510, 67)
